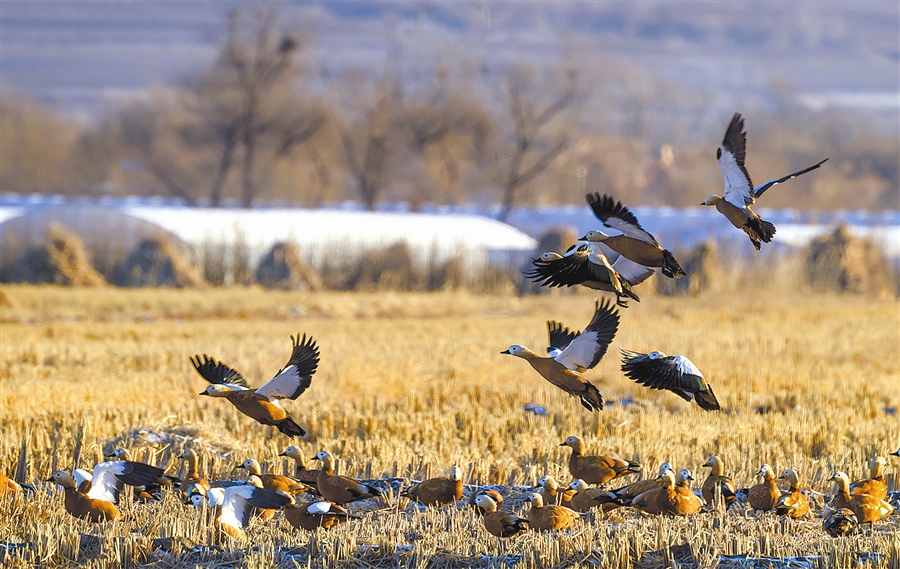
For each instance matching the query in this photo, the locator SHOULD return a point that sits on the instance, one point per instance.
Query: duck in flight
(262, 404)
(677, 374)
(739, 191)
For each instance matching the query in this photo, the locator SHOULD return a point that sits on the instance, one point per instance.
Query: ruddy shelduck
(764, 496)
(677, 374)
(439, 491)
(497, 523)
(596, 469)
(551, 517)
(340, 489)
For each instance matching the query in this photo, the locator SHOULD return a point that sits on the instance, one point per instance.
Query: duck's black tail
(670, 267)
(290, 428)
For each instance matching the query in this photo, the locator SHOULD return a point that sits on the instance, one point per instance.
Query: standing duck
(739, 191)
(764, 496)
(263, 403)
(552, 517)
(717, 482)
(194, 483)
(497, 523)
(581, 352)
(677, 374)
(340, 489)
(596, 469)
(794, 503)
(635, 243)
(441, 491)
(301, 471)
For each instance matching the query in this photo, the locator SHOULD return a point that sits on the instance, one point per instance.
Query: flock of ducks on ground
(95, 495)
(319, 498)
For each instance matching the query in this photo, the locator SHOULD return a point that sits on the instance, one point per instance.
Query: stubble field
(410, 384)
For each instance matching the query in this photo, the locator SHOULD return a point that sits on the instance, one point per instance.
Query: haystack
(557, 240)
(282, 268)
(391, 268)
(156, 262)
(842, 262)
(62, 260)
(703, 272)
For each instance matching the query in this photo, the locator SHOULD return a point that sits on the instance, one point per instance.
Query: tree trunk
(215, 194)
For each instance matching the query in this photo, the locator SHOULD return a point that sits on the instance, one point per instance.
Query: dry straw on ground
(412, 383)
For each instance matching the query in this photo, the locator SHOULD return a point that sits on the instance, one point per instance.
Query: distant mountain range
(84, 56)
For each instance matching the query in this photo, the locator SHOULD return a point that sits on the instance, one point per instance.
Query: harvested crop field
(410, 384)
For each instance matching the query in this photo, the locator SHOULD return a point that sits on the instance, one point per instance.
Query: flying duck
(107, 480)
(634, 243)
(677, 374)
(585, 264)
(580, 352)
(596, 469)
(239, 501)
(150, 491)
(499, 524)
(438, 491)
(194, 483)
(874, 485)
(546, 518)
(739, 191)
(312, 515)
(262, 404)
(340, 489)
(301, 471)
(840, 522)
(717, 482)
(868, 508)
(794, 502)
(551, 494)
(764, 496)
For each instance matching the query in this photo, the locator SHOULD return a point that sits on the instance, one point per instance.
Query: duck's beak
(562, 444)
(506, 352)
(204, 393)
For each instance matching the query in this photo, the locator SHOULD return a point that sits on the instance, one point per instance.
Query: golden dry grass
(413, 383)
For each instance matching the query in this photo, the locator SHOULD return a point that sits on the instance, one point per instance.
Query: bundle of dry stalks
(283, 268)
(842, 262)
(157, 263)
(62, 260)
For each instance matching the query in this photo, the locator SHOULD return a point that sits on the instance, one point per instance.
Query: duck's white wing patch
(580, 352)
(738, 188)
(104, 484)
(686, 366)
(81, 476)
(296, 376)
(319, 508)
(216, 496)
(235, 509)
(283, 385)
(632, 272)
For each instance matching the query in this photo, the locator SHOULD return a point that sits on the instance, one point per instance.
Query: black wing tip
(290, 428)
(605, 206)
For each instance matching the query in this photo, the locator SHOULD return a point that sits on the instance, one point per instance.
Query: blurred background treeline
(271, 118)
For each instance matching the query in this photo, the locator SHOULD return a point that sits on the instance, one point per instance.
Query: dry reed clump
(390, 268)
(555, 240)
(703, 273)
(156, 262)
(282, 268)
(62, 260)
(842, 262)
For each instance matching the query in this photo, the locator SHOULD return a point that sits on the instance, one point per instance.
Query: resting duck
(552, 517)
(584, 497)
(840, 522)
(625, 495)
(494, 495)
(585, 264)
(499, 524)
(764, 496)
(194, 483)
(340, 489)
(717, 482)
(107, 480)
(868, 508)
(441, 491)
(634, 243)
(596, 469)
(313, 515)
(262, 404)
(739, 191)
(794, 503)
(549, 490)
(677, 374)
(874, 485)
(578, 353)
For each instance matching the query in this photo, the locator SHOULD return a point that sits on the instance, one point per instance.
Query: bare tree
(534, 146)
